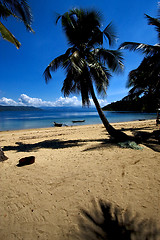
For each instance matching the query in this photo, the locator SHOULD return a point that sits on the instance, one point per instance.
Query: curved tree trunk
(116, 134)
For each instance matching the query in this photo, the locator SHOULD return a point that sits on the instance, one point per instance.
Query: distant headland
(19, 108)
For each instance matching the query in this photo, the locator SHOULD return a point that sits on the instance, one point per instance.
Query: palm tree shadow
(53, 144)
(59, 144)
(107, 222)
(104, 143)
(149, 139)
(56, 144)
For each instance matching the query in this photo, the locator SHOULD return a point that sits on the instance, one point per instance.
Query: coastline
(82, 125)
(73, 166)
(37, 119)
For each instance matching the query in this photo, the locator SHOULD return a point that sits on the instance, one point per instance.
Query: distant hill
(139, 105)
(18, 108)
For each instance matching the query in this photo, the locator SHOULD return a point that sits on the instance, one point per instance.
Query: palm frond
(113, 58)
(53, 66)
(21, 10)
(4, 12)
(140, 47)
(58, 16)
(101, 77)
(155, 22)
(60, 61)
(7, 35)
(68, 84)
(110, 33)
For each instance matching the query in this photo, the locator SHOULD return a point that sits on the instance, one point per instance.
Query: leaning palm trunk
(116, 134)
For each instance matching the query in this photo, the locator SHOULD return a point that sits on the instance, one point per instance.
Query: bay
(16, 120)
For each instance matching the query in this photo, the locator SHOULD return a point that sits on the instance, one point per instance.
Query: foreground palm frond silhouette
(109, 222)
(18, 9)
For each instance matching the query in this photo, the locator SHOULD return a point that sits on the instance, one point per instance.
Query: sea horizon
(18, 120)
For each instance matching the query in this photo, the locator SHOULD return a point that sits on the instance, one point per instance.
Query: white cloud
(73, 101)
(7, 102)
(102, 102)
(25, 100)
(36, 102)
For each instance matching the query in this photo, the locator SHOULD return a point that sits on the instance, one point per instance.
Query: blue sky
(21, 71)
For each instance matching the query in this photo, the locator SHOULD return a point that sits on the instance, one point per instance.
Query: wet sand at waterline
(73, 166)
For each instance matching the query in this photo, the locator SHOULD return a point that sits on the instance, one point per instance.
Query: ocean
(16, 120)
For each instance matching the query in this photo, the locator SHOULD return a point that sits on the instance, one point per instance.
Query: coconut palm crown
(86, 59)
(18, 9)
(87, 63)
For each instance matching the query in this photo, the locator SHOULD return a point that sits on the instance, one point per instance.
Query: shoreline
(81, 125)
(73, 166)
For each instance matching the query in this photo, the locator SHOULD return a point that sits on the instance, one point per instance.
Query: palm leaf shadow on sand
(149, 139)
(102, 143)
(56, 144)
(53, 144)
(108, 222)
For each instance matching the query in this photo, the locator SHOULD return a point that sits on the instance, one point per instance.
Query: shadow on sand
(139, 135)
(57, 144)
(145, 138)
(108, 222)
(53, 144)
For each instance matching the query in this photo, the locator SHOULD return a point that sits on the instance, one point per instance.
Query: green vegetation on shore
(142, 104)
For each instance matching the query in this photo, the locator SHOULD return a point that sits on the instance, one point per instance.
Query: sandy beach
(73, 166)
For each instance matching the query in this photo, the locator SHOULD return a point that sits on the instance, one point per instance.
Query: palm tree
(145, 80)
(86, 59)
(18, 9)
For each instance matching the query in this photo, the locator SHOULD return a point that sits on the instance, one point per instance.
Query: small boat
(57, 124)
(76, 121)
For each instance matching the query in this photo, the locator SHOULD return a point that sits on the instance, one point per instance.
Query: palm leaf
(101, 79)
(155, 22)
(60, 61)
(7, 35)
(4, 12)
(141, 47)
(21, 10)
(109, 32)
(53, 66)
(68, 84)
(113, 58)
(58, 16)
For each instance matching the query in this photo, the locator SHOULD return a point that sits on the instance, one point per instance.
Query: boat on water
(58, 124)
(77, 121)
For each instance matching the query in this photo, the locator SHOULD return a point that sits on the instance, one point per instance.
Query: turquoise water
(15, 120)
